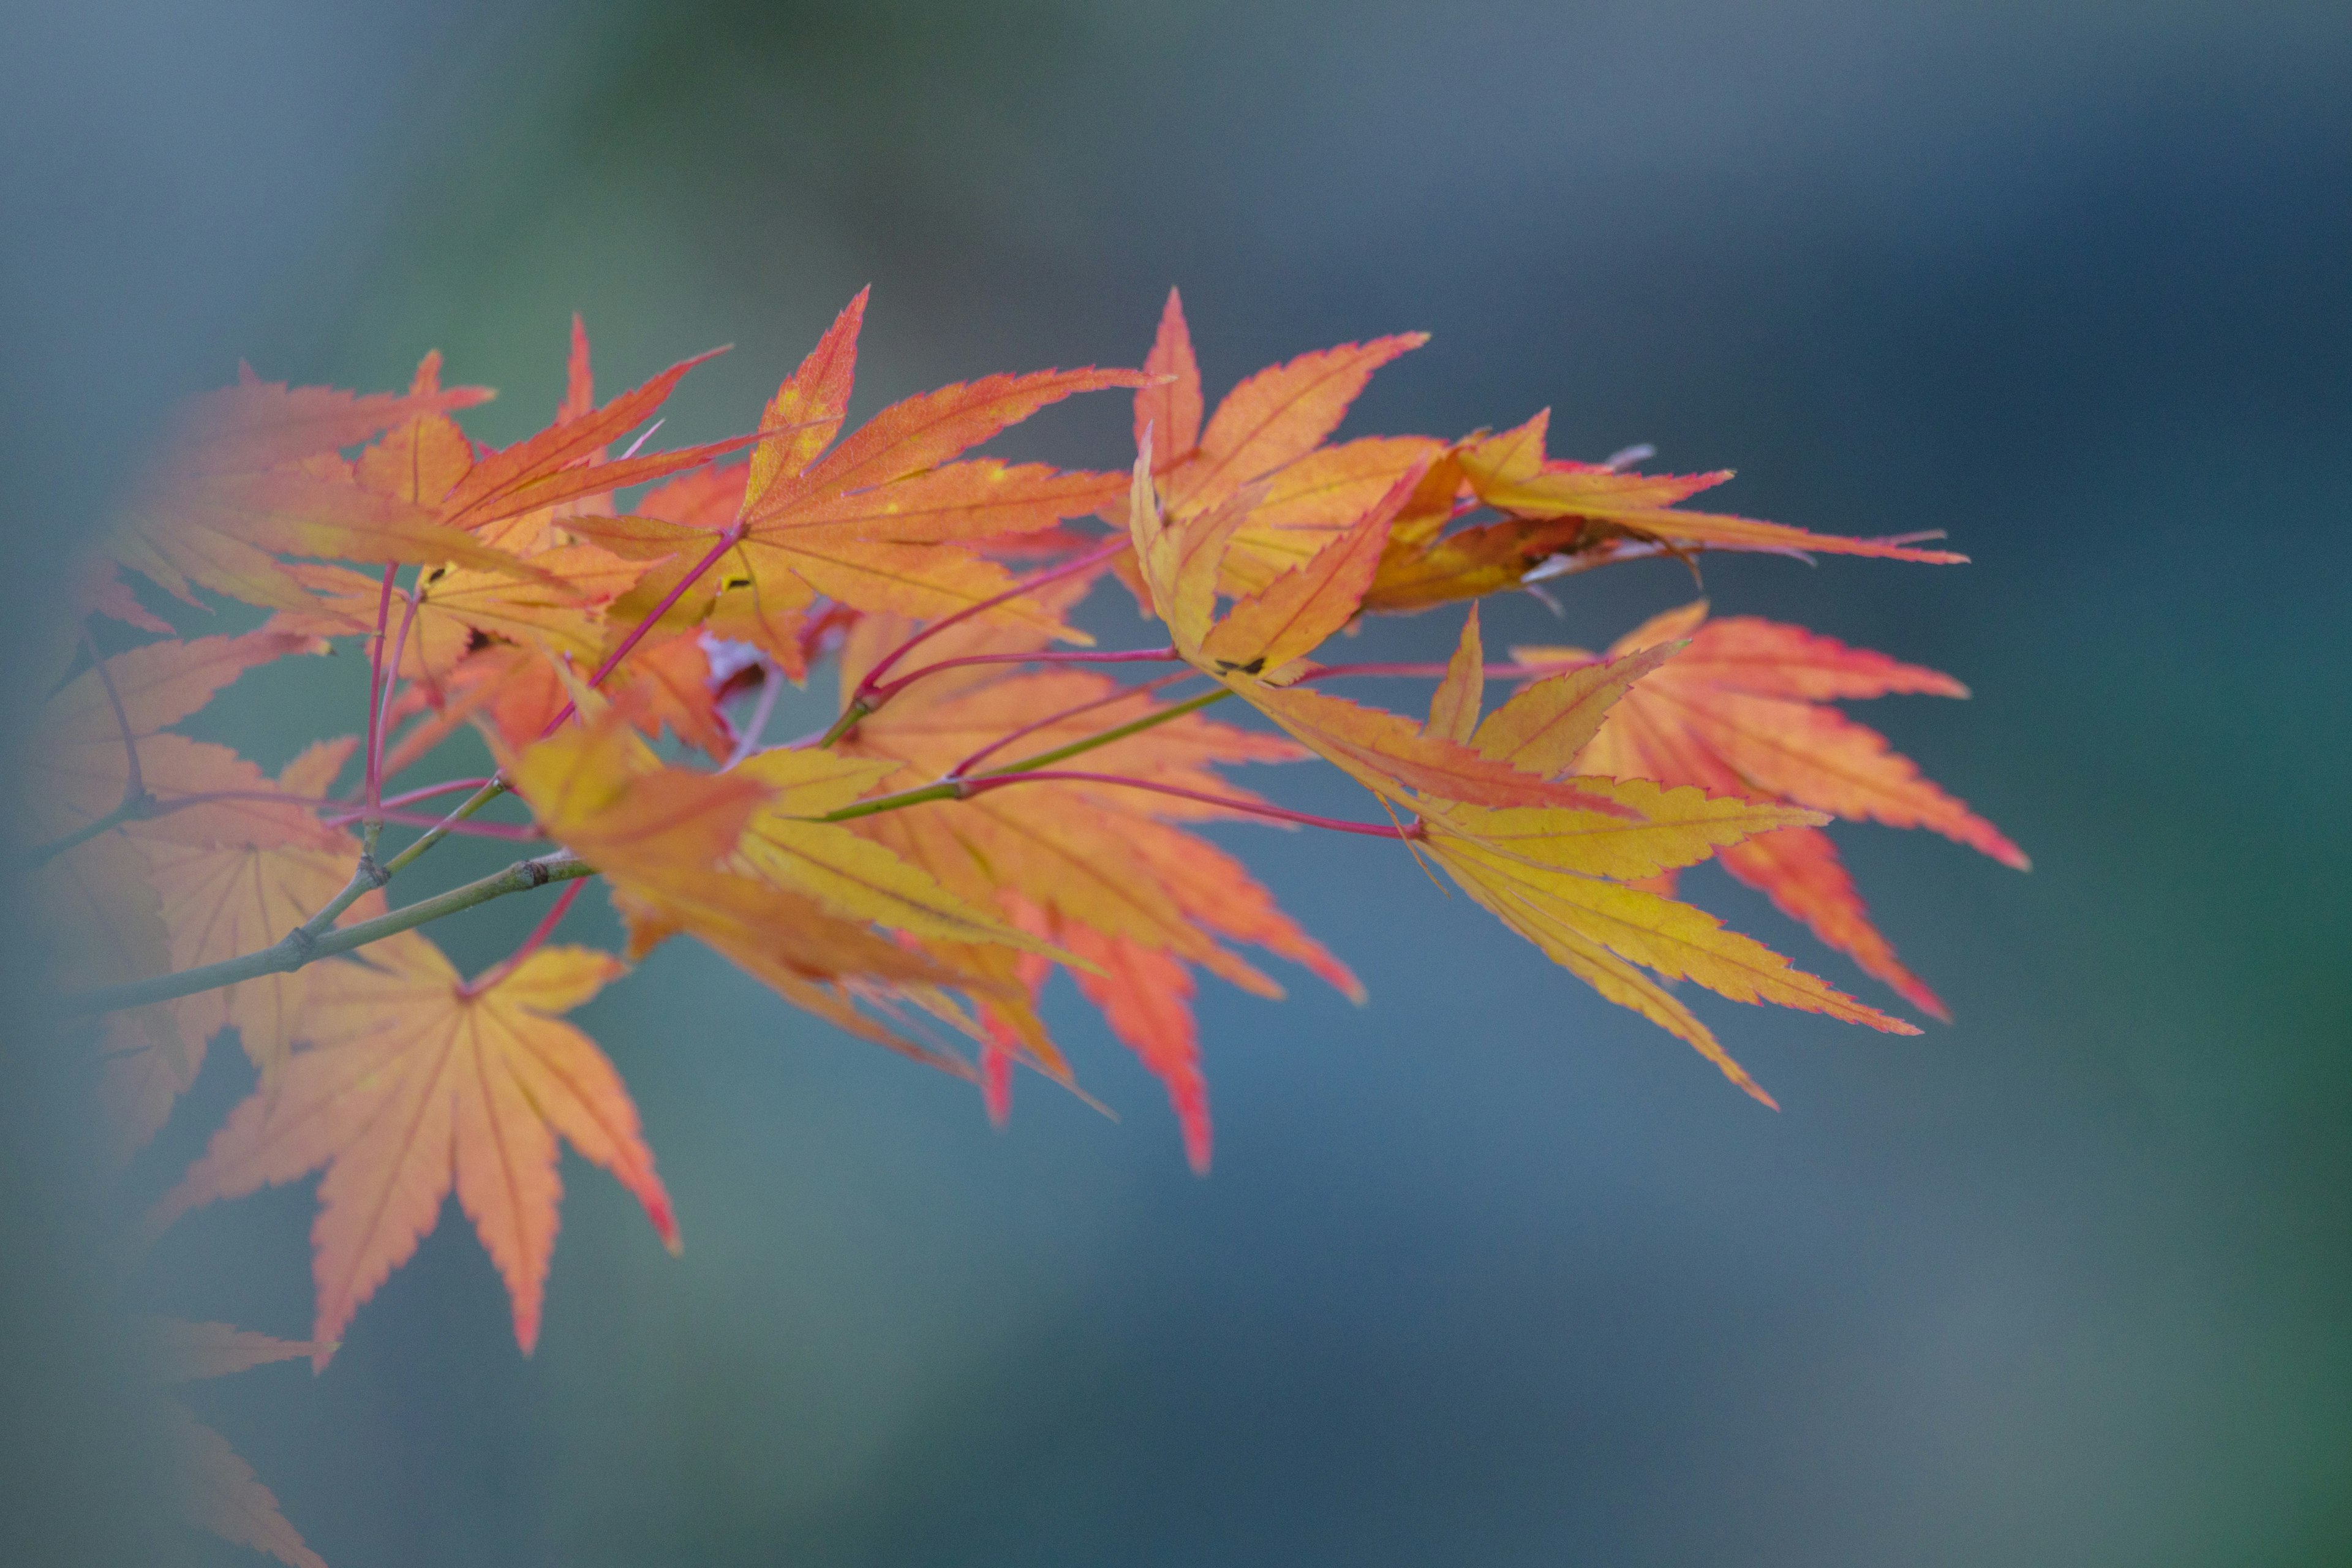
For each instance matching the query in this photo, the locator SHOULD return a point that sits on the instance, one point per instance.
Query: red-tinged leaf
(1799, 869)
(514, 693)
(1218, 891)
(1168, 414)
(420, 461)
(1511, 475)
(252, 471)
(665, 839)
(257, 426)
(1741, 653)
(234, 875)
(539, 472)
(413, 1083)
(579, 379)
(802, 420)
(704, 501)
(982, 499)
(1145, 996)
(1098, 858)
(921, 432)
(870, 524)
(570, 485)
(1776, 747)
(1738, 711)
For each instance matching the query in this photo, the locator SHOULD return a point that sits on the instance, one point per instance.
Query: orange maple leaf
(428, 461)
(411, 1080)
(1268, 433)
(1548, 855)
(1743, 710)
(883, 521)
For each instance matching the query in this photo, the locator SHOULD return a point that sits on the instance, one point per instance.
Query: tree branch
(301, 946)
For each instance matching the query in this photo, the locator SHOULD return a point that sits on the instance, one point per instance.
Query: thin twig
(376, 737)
(371, 752)
(492, 789)
(409, 798)
(1149, 721)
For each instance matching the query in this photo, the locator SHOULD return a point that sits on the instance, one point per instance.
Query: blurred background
(1487, 1272)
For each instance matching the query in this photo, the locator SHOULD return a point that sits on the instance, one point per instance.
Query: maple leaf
(1511, 473)
(215, 1489)
(252, 471)
(1548, 856)
(1268, 433)
(1559, 878)
(1743, 710)
(411, 1081)
(883, 521)
(1258, 648)
(429, 462)
(1102, 869)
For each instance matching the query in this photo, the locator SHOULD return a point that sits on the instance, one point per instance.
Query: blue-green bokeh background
(1487, 1272)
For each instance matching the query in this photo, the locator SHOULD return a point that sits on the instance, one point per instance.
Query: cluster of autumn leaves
(995, 803)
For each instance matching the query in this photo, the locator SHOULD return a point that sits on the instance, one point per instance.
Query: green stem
(493, 788)
(1121, 732)
(299, 946)
(848, 721)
